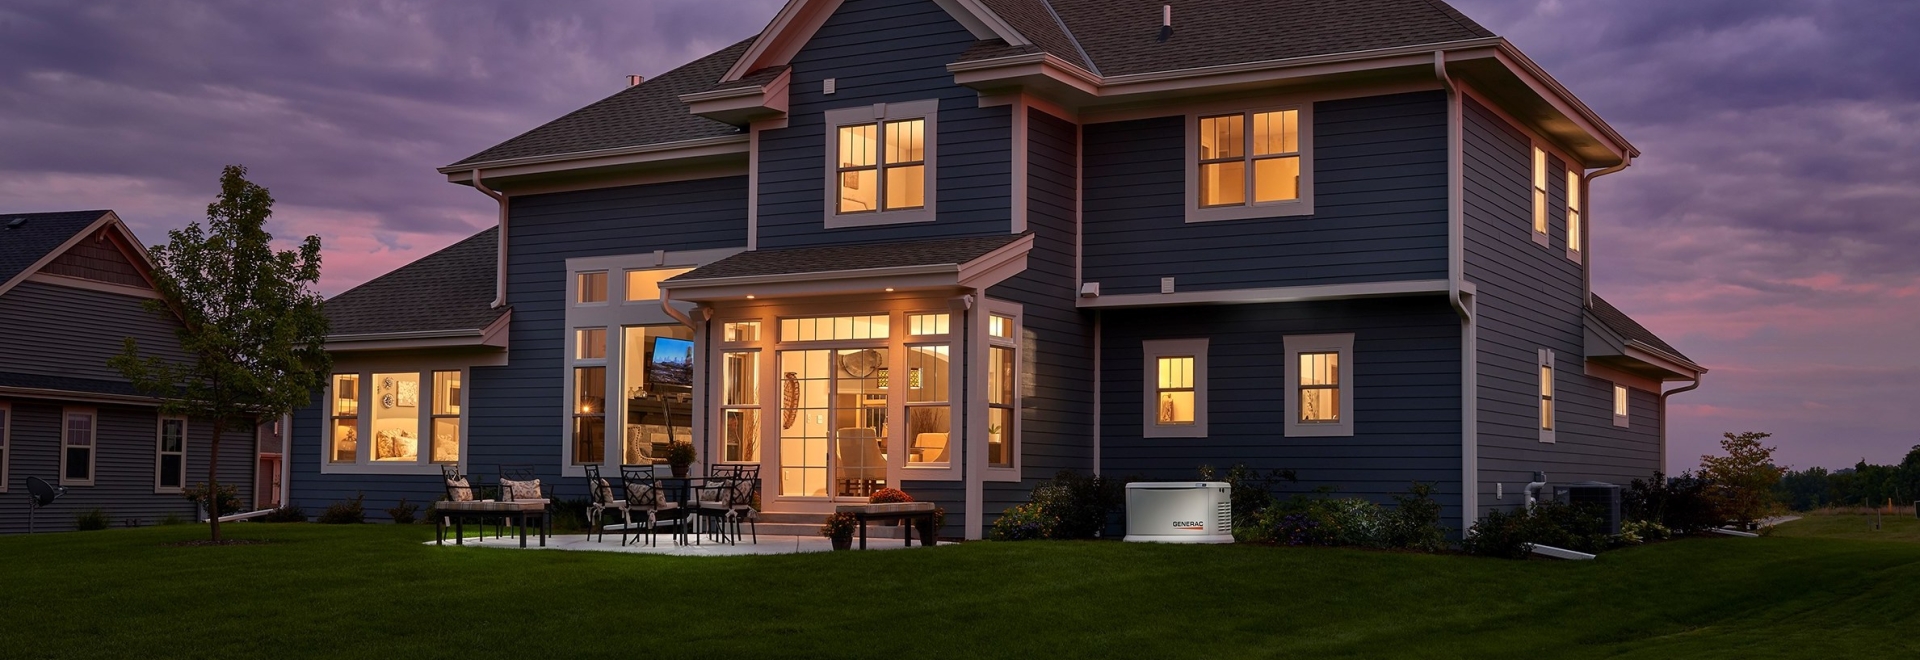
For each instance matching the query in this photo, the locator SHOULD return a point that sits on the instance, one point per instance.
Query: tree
(253, 331)
(1744, 478)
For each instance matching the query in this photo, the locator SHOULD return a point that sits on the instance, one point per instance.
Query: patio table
(911, 512)
(519, 510)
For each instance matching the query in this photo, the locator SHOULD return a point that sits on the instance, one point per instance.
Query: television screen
(671, 364)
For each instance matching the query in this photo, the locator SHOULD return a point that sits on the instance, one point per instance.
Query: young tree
(1744, 477)
(254, 335)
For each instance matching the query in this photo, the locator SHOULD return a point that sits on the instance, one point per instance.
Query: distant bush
(286, 513)
(350, 512)
(87, 521)
(1635, 532)
(1683, 504)
(1512, 535)
(402, 513)
(1071, 506)
(229, 498)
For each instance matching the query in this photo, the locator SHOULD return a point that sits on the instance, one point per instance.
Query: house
(957, 246)
(73, 287)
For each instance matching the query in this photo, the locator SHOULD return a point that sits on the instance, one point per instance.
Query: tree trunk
(213, 479)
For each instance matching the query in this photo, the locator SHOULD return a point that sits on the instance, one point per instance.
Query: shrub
(1635, 532)
(87, 521)
(1022, 522)
(173, 519)
(229, 498)
(402, 513)
(1252, 492)
(349, 512)
(1071, 506)
(1682, 504)
(889, 496)
(286, 513)
(1512, 535)
(1414, 523)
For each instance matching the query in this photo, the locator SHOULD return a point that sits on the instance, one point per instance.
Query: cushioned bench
(517, 509)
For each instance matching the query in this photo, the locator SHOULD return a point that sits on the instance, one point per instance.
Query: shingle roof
(42, 233)
(1122, 36)
(753, 79)
(68, 384)
(1034, 20)
(835, 258)
(1625, 326)
(451, 289)
(647, 113)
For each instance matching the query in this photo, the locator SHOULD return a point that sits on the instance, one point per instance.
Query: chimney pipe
(635, 80)
(1166, 22)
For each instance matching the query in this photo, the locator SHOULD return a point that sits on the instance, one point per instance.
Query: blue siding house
(957, 246)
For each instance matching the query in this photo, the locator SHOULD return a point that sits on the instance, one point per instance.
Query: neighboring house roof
(447, 291)
(24, 384)
(648, 113)
(38, 237)
(1627, 328)
(1123, 36)
(843, 258)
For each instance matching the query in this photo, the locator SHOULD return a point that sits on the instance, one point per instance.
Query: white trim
(753, 186)
(1294, 345)
(1616, 376)
(6, 442)
(1021, 354)
(160, 452)
(742, 105)
(798, 20)
(1151, 351)
(927, 110)
(1546, 389)
(494, 335)
(1300, 205)
(106, 220)
(366, 366)
(1020, 154)
(982, 272)
(692, 170)
(1270, 295)
(613, 157)
(93, 445)
(94, 285)
(1622, 405)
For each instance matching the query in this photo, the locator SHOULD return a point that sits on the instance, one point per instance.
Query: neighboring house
(958, 246)
(72, 288)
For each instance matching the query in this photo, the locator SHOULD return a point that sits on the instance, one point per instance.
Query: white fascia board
(796, 23)
(647, 153)
(1271, 295)
(1563, 100)
(1656, 357)
(742, 104)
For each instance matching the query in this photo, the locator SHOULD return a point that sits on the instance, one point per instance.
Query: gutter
(1586, 224)
(500, 241)
(1663, 415)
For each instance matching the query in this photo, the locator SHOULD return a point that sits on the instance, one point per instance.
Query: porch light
(889, 289)
(749, 296)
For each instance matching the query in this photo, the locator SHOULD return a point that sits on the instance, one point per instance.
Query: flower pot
(842, 543)
(925, 530)
(679, 471)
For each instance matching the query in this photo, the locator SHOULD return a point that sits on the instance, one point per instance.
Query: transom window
(927, 324)
(1249, 151)
(592, 287)
(644, 285)
(740, 331)
(829, 328)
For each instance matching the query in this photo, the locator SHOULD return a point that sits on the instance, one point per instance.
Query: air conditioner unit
(1180, 512)
(1602, 498)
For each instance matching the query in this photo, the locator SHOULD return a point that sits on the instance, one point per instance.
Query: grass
(1856, 525)
(377, 591)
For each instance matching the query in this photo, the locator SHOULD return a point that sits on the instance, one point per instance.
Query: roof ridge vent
(1166, 22)
(17, 223)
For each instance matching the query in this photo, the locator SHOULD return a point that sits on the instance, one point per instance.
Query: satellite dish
(39, 494)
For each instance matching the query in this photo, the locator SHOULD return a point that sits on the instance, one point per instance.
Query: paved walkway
(768, 545)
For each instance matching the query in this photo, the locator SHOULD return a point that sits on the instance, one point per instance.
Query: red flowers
(889, 496)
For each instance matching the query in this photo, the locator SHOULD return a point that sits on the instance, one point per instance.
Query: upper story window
(1175, 388)
(1573, 215)
(170, 455)
(1539, 195)
(881, 164)
(1249, 164)
(644, 285)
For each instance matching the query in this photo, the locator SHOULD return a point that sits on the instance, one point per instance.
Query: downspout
(1663, 415)
(500, 259)
(1586, 226)
(1460, 298)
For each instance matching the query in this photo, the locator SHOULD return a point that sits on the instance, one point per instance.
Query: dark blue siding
(1406, 406)
(1380, 202)
(1057, 405)
(880, 51)
(516, 410)
(1531, 297)
(65, 331)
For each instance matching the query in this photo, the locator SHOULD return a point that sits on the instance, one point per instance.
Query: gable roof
(37, 239)
(648, 113)
(1629, 329)
(449, 291)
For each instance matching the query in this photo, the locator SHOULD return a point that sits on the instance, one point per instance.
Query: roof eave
(493, 335)
(742, 105)
(978, 273)
(618, 156)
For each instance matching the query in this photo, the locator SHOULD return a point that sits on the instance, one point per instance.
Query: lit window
(446, 416)
(656, 375)
(644, 285)
(740, 405)
(396, 418)
(880, 163)
(170, 464)
(927, 324)
(346, 417)
(1234, 159)
(929, 412)
(1619, 405)
(1319, 382)
(740, 331)
(1000, 326)
(76, 457)
(1546, 395)
(1573, 214)
(589, 415)
(1539, 196)
(593, 287)
(828, 328)
(590, 344)
(1004, 376)
(6, 433)
(1176, 388)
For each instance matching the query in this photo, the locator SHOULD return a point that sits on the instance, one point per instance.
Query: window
(740, 405)
(927, 324)
(644, 285)
(882, 163)
(76, 444)
(656, 377)
(396, 418)
(1573, 215)
(446, 416)
(1176, 388)
(740, 332)
(1620, 405)
(6, 435)
(590, 344)
(170, 461)
(589, 415)
(1006, 382)
(828, 328)
(346, 418)
(1546, 395)
(929, 406)
(1249, 164)
(1539, 195)
(1319, 385)
(592, 287)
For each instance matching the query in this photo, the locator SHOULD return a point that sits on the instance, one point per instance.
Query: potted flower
(930, 529)
(889, 496)
(839, 528)
(680, 455)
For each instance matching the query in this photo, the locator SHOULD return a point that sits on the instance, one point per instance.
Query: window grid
(832, 328)
(170, 460)
(928, 324)
(740, 404)
(1175, 393)
(1546, 395)
(882, 166)
(1539, 191)
(740, 331)
(1003, 390)
(589, 415)
(445, 425)
(929, 415)
(1320, 388)
(1234, 161)
(1573, 211)
(346, 417)
(77, 448)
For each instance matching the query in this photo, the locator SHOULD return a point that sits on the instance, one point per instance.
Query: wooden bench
(518, 510)
(911, 512)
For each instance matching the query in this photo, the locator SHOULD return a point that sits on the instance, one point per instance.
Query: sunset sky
(1767, 231)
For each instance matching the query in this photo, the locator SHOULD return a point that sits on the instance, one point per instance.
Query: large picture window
(1319, 385)
(881, 167)
(77, 446)
(394, 421)
(170, 459)
(1175, 388)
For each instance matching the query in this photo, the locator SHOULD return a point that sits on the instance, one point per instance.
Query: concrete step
(874, 531)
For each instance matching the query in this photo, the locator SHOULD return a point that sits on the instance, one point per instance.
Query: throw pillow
(461, 492)
(520, 490)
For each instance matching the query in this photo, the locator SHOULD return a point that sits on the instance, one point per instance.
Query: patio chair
(602, 501)
(521, 482)
(647, 495)
(729, 499)
(462, 489)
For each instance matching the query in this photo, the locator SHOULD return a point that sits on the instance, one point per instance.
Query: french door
(833, 422)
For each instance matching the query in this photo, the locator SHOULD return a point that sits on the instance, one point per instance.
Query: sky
(1767, 230)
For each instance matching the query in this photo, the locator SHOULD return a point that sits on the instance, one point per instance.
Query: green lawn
(1900, 526)
(376, 591)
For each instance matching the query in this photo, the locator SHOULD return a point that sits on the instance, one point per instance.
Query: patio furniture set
(721, 504)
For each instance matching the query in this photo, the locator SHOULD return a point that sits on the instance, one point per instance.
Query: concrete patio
(768, 545)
